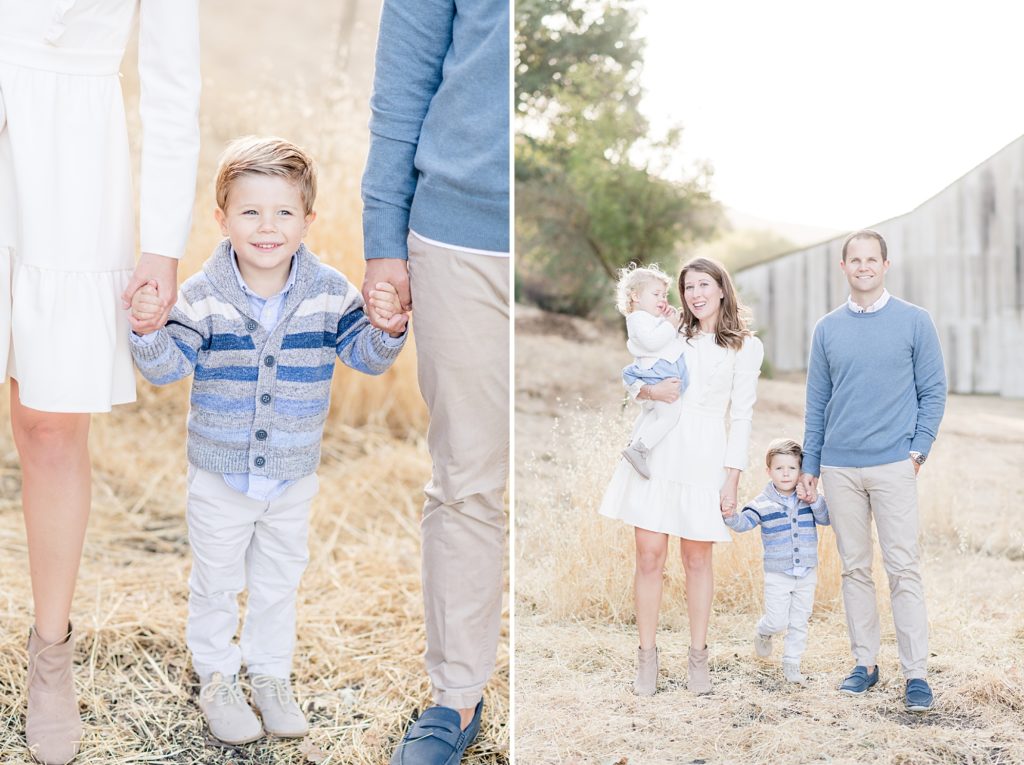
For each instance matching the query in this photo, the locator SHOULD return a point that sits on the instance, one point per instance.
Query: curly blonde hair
(631, 278)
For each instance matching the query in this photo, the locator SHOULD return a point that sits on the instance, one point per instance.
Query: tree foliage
(590, 196)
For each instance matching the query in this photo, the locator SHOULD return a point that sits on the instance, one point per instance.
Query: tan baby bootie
(700, 678)
(646, 671)
(52, 727)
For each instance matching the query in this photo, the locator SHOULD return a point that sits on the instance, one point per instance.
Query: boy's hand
(162, 273)
(147, 314)
(385, 309)
(392, 270)
(809, 484)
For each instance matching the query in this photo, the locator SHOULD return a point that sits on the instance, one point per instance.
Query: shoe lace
(222, 692)
(276, 685)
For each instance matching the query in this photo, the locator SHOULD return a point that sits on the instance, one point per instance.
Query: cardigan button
(251, 325)
(265, 399)
(797, 560)
(259, 462)
(261, 435)
(269, 361)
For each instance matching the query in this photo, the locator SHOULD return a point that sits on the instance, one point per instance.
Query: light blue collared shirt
(267, 311)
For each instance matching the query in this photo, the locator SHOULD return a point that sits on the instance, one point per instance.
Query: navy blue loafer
(918, 696)
(437, 738)
(858, 681)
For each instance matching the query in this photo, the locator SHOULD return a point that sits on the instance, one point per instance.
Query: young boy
(790, 553)
(258, 328)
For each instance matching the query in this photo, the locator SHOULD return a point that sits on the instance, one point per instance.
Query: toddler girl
(652, 328)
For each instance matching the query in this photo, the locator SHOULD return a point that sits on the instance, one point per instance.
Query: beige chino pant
(461, 326)
(889, 493)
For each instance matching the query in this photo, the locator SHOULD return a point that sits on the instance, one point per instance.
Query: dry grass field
(576, 638)
(358, 669)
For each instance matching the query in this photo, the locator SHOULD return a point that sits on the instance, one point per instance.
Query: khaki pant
(889, 493)
(461, 326)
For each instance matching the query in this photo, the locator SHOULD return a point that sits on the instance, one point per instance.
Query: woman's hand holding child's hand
(386, 309)
(146, 310)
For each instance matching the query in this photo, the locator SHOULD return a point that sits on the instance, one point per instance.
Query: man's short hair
(785, 446)
(266, 155)
(867, 233)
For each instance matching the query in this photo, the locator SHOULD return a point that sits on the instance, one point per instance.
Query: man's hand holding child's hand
(385, 309)
(146, 310)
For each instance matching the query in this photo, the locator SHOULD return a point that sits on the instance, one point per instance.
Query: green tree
(590, 196)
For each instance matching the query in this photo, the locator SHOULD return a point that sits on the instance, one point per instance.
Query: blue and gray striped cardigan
(789, 536)
(259, 400)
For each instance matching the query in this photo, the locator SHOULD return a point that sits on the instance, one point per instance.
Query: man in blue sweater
(876, 391)
(436, 226)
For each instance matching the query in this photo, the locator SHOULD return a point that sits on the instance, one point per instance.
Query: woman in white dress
(67, 264)
(696, 468)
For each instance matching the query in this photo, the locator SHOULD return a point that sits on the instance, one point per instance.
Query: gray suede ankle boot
(700, 678)
(646, 671)
(53, 728)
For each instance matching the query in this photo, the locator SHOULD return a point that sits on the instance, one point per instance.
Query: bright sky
(835, 114)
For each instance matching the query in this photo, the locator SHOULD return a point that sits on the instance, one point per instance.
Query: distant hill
(747, 240)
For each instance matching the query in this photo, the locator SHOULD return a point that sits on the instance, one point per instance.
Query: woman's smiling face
(703, 297)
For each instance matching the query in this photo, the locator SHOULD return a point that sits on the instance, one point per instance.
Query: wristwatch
(918, 457)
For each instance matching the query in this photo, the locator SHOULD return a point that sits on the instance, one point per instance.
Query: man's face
(864, 267)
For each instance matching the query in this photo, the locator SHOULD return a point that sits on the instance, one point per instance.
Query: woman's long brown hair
(733, 316)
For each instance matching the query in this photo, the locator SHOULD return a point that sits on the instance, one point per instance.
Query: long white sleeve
(648, 335)
(741, 402)
(169, 106)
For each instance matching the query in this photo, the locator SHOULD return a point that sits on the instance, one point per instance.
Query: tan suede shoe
(281, 715)
(53, 728)
(229, 716)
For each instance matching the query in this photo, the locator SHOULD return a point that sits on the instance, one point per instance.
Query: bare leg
(56, 489)
(700, 588)
(651, 551)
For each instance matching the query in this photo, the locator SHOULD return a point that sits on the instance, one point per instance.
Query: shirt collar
(245, 287)
(876, 306)
(779, 496)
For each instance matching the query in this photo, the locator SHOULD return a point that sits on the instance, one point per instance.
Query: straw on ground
(576, 638)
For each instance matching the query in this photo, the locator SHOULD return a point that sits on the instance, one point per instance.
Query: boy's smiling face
(784, 472)
(265, 220)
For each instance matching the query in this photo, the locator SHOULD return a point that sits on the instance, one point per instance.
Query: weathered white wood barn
(960, 255)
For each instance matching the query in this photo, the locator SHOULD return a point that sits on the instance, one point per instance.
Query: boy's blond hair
(786, 446)
(266, 155)
(631, 278)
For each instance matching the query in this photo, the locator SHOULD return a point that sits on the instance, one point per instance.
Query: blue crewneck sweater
(439, 132)
(876, 387)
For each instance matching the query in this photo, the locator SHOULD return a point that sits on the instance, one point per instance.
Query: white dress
(688, 466)
(67, 213)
